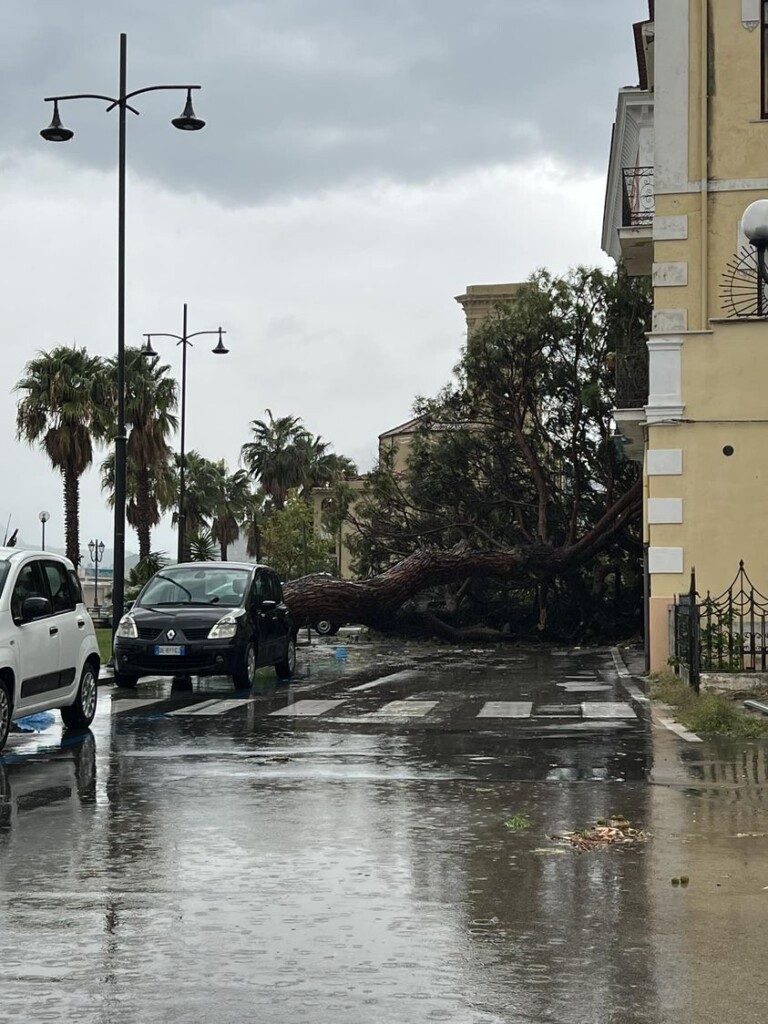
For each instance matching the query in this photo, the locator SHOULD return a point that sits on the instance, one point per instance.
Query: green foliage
(518, 822)
(202, 546)
(290, 545)
(706, 714)
(518, 452)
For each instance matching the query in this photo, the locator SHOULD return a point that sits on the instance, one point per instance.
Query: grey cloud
(305, 95)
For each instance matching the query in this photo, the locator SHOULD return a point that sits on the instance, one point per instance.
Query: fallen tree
(379, 601)
(513, 474)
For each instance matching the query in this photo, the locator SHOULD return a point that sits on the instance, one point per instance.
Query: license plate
(175, 651)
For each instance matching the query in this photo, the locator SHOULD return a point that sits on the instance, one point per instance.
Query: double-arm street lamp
(183, 339)
(56, 132)
(96, 553)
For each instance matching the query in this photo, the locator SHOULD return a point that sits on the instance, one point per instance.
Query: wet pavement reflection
(199, 856)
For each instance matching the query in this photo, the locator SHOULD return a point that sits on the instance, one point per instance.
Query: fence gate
(726, 633)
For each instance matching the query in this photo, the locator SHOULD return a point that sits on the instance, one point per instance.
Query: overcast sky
(363, 162)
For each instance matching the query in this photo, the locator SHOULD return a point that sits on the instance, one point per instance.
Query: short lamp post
(96, 551)
(754, 224)
(187, 121)
(44, 517)
(183, 339)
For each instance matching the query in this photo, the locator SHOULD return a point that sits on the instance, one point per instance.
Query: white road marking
(396, 677)
(506, 709)
(679, 730)
(405, 709)
(584, 687)
(306, 708)
(606, 709)
(218, 707)
(133, 703)
(193, 709)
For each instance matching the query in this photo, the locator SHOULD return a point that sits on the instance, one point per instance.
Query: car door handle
(81, 624)
(53, 630)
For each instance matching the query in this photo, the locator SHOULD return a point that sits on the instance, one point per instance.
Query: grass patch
(518, 822)
(104, 638)
(706, 714)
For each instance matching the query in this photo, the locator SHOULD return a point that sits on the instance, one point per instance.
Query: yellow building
(689, 154)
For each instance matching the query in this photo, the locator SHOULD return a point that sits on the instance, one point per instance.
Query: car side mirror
(35, 608)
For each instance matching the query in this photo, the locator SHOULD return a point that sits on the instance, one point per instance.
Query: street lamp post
(44, 517)
(183, 339)
(56, 132)
(96, 551)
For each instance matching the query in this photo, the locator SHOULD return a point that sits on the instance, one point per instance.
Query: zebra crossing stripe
(133, 704)
(405, 709)
(218, 707)
(395, 677)
(606, 709)
(506, 709)
(194, 709)
(306, 708)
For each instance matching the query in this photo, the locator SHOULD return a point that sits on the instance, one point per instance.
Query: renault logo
(171, 634)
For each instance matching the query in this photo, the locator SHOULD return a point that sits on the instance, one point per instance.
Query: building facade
(689, 154)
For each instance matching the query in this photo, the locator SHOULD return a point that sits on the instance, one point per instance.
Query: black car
(203, 619)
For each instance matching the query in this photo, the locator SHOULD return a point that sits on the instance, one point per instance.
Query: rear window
(178, 586)
(4, 570)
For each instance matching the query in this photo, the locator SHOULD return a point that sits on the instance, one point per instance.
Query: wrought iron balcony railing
(632, 375)
(639, 200)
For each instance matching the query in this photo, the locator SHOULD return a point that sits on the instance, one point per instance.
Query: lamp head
(754, 223)
(101, 548)
(187, 121)
(220, 350)
(91, 547)
(148, 352)
(56, 132)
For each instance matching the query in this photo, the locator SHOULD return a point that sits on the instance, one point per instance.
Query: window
(29, 583)
(77, 590)
(764, 59)
(62, 599)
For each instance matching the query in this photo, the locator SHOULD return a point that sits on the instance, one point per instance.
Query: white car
(49, 655)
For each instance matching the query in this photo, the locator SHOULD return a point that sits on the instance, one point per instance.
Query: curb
(640, 701)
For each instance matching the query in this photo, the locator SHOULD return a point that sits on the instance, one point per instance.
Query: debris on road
(518, 822)
(616, 831)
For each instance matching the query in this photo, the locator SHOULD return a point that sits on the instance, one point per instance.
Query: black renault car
(203, 619)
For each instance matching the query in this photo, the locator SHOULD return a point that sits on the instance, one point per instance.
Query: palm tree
(330, 469)
(255, 517)
(151, 398)
(200, 494)
(230, 505)
(279, 455)
(63, 411)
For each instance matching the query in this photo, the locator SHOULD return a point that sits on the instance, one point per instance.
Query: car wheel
(79, 714)
(326, 628)
(245, 677)
(125, 682)
(5, 712)
(286, 668)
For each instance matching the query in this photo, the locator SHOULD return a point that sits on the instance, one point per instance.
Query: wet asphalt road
(202, 855)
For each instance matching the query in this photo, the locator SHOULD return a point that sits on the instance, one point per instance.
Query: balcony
(631, 396)
(629, 195)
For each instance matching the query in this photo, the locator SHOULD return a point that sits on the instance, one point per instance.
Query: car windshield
(188, 585)
(4, 567)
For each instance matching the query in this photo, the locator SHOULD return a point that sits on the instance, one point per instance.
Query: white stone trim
(750, 14)
(669, 229)
(671, 80)
(669, 321)
(665, 511)
(665, 560)
(670, 275)
(664, 462)
(665, 373)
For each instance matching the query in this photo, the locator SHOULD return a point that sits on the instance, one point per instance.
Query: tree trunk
(224, 547)
(143, 512)
(72, 515)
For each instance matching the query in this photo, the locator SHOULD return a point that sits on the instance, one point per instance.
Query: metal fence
(725, 633)
(639, 198)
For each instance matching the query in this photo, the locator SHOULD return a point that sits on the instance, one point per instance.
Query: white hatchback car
(49, 655)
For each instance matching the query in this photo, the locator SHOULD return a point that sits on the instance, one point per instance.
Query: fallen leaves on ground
(615, 831)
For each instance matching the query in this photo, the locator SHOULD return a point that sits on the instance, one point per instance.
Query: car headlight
(127, 627)
(226, 627)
